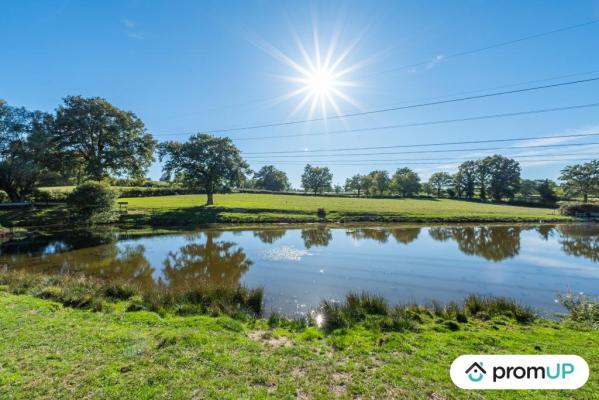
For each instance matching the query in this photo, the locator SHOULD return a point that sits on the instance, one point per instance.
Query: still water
(299, 266)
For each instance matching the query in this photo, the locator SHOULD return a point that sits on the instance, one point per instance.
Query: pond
(299, 266)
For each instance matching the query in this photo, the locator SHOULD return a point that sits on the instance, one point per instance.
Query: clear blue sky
(189, 66)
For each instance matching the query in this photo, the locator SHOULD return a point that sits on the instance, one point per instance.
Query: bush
(92, 202)
(582, 308)
(321, 212)
(3, 197)
(572, 209)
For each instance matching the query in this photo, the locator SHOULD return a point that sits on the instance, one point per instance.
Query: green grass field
(242, 207)
(49, 351)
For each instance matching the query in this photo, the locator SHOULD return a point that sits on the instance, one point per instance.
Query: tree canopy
(101, 140)
(581, 179)
(25, 150)
(205, 162)
(406, 182)
(271, 178)
(317, 179)
(357, 183)
(378, 181)
(440, 181)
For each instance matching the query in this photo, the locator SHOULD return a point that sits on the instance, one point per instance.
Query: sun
(320, 78)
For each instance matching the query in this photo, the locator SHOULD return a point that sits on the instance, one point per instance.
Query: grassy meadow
(49, 351)
(246, 207)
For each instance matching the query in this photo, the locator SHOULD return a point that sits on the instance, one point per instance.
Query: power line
(577, 135)
(444, 150)
(383, 110)
(425, 123)
(427, 163)
(493, 46)
(430, 159)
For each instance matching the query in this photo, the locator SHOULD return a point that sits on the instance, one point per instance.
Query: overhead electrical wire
(573, 135)
(489, 47)
(388, 109)
(432, 159)
(445, 150)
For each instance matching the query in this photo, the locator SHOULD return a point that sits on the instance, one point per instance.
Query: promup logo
(476, 372)
(519, 372)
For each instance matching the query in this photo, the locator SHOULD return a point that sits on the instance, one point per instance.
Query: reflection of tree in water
(90, 253)
(580, 240)
(212, 263)
(401, 235)
(60, 242)
(380, 235)
(126, 264)
(545, 231)
(405, 235)
(316, 237)
(269, 236)
(494, 243)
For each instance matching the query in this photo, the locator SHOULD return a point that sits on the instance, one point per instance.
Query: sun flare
(320, 77)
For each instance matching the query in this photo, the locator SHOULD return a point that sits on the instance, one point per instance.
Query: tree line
(89, 139)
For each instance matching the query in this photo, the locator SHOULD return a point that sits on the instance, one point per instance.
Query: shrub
(572, 209)
(581, 308)
(321, 212)
(3, 196)
(92, 202)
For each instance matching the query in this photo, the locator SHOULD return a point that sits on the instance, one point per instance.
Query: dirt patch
(267, 338)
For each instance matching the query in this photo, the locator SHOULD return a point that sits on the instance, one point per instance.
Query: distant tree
(581, 179)
(546, 190)
(464, 181)
(205, 162)
(406, 182)
(338, 188)
(25, 150)
(503, 176)
(379, 181)
(528, 188)
(100, 139)
(482, 176)
(317, 179)
(427, 188)
(270, 178)
(356, 183)
(440, 181)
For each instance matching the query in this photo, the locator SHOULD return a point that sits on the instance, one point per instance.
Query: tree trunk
(585, 197)
(210, 200)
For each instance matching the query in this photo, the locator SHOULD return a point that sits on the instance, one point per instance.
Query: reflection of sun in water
(320, 77)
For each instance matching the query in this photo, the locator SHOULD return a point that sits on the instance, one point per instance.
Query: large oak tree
(204, 162)
(101, 140)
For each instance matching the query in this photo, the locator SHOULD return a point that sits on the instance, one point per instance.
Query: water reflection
(381, 235)
(215, 263)
(494, 243)
(580, 240)
(399, 262)
(320, 236)
(269, 236)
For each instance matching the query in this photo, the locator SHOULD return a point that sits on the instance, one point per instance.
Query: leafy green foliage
(581, 179)
(440, 181)
(270, 178)
(96, 139)
(503, 176)
(205, 162)
(357, 183)
(317, 179)
(581, 308)
(92, 202)
(25, 150)
(406, 182)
